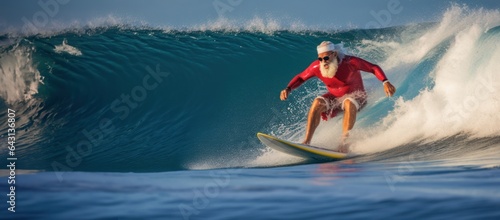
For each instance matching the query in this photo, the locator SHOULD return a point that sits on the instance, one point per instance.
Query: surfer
(341, 75)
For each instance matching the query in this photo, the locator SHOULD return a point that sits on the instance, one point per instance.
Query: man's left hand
(389, 89)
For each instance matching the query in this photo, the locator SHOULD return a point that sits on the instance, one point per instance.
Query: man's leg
(350, 112)
(314, 117)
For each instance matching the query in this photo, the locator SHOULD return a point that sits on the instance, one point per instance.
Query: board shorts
(336, 104)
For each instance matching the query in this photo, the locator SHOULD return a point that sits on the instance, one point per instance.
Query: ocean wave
(194, 97)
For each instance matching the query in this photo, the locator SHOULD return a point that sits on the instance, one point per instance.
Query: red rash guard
(346, 80)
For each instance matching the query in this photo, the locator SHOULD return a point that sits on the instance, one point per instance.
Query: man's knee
(319, 104)
(349, 105)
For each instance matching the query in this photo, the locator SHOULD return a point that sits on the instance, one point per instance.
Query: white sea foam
(267, 25)
(65, 47)
(19, 77)
(466, 91)
(270, 158)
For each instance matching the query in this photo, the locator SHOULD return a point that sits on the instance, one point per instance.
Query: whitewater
(103, 109)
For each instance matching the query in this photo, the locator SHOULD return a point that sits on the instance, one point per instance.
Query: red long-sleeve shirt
(346, 80)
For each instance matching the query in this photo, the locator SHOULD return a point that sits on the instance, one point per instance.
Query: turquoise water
(124, 122)
(431, 189)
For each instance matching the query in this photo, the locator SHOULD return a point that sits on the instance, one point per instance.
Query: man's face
(326, 58)
(328, 64)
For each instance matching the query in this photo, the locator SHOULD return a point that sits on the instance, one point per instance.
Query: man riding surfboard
(341, 75)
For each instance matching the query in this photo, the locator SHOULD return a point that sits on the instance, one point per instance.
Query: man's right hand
(389, 89)
(284, 94)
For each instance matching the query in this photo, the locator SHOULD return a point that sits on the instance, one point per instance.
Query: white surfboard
(301, 150)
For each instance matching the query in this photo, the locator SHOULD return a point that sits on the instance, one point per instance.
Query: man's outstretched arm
(294, 83)
(366, 66)
(298, 80)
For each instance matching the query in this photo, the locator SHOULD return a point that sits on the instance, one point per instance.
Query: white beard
(332, 68)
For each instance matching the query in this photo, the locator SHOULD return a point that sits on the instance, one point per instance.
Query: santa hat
(325, 46)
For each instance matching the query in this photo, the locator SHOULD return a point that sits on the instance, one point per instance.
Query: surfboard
(301, 150)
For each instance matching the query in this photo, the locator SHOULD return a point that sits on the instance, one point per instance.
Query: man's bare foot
(343, 148)
(306, 142)
(344, 145)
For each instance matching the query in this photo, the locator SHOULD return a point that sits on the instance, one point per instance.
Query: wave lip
(257, 24)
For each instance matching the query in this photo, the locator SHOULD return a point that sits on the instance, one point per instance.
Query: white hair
(340, 50)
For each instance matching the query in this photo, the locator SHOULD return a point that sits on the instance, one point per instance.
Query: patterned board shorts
(334, 105)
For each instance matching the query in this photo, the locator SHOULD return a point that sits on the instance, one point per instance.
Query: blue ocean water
(120, 122)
